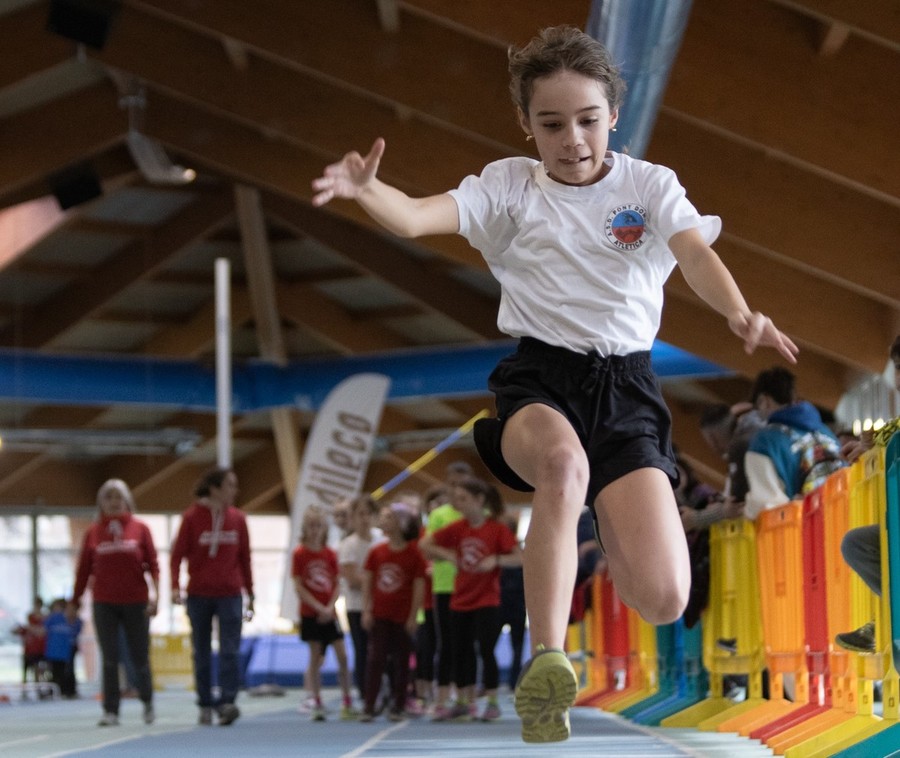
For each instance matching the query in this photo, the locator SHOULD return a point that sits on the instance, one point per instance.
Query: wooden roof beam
(78, 301)
(78, 126)
(771, 91)
(836, 322)
(379, 255)
(391, 67)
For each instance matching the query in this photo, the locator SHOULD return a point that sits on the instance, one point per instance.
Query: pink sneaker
(491, 712)
(415, 707)
(441, 713)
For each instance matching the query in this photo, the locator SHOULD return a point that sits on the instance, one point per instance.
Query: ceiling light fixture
(149, 156)
(165, 441)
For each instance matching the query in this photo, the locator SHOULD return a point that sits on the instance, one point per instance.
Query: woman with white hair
(118, 555)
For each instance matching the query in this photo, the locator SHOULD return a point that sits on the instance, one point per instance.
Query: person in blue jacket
(793, 453)
(63, 627)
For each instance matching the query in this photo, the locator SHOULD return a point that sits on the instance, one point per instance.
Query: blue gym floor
(273, 726)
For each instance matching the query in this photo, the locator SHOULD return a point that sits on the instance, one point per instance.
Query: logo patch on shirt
(625, 226)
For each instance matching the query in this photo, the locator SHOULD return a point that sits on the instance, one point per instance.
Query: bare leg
(316, 656)
(638, 518)
(541, 447)
(340, 652)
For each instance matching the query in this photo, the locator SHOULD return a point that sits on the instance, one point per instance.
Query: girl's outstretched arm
(710, 279)
(354, 178)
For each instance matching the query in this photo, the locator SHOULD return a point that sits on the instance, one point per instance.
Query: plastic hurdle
(815, 621)
(779, 544)
(867, 506)
(733, 611)
(642, 677)
(683, 673)
(887, 741)
(611, 644)
(667, 671)
(842, 677)
(171, 661)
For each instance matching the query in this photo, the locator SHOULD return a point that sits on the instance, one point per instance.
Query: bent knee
(663, 603)
(564, 468)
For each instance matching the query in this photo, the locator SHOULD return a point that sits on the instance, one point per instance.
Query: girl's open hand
(758, 329)
(348, 177)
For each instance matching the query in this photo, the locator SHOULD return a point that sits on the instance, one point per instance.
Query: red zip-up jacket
(117, 552)
(217, 547)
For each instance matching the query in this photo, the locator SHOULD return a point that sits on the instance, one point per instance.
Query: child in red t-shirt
(33, 637)
(315, 572)
(479, 545)
(393, 588)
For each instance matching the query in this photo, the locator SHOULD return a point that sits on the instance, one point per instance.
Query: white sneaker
(108, 719)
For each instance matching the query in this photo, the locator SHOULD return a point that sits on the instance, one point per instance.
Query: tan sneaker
(545, 691)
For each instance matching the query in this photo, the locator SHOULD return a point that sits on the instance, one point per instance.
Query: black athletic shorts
(614, 405)
(313, 630)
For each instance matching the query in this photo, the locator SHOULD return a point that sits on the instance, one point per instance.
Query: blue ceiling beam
(643, 37)
(35, 378)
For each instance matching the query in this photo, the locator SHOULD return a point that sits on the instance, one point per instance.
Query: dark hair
(408, 518)
(559, 48)
(777, 383)
(212, 478)
(895, 349)
(459, 467)
(491, 495)
(437, 492)
(365, 501)
(715, 415)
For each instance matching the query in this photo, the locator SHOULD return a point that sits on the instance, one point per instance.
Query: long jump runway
(272, 726)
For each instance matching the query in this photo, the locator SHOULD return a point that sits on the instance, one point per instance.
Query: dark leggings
(109, 618)
(480, 628)
(426, 644)
(444, 628)
(389, 649)
(360, 638)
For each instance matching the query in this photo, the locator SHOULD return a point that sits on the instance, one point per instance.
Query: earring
(529, 137)
(614, 129)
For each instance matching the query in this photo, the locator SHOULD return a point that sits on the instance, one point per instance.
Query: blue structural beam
(32, 377)
(643, 37)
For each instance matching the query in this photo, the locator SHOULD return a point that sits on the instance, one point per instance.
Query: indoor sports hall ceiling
(779, 115)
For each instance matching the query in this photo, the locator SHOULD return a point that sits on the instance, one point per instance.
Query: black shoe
(228, 713)
(729, 645)
(860, 640)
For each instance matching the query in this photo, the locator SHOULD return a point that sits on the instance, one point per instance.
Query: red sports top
(318, 573)
(393, 573)
(117, 552)
(473, 590)
(217, 551)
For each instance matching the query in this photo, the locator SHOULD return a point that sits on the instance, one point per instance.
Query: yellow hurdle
(734, 612)
(171, 661)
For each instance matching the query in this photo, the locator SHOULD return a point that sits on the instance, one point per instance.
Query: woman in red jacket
(213, 537)
(118, 555)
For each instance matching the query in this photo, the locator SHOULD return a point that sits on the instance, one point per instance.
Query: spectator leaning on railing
(793, 453)
(861, 547)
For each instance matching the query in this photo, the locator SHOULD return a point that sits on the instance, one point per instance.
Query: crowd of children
(422, 599)
(49, 647)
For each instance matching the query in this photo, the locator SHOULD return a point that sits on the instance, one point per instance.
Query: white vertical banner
(336, 457)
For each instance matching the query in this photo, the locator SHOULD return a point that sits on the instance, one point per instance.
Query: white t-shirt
(353, 549)
(579, 267)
